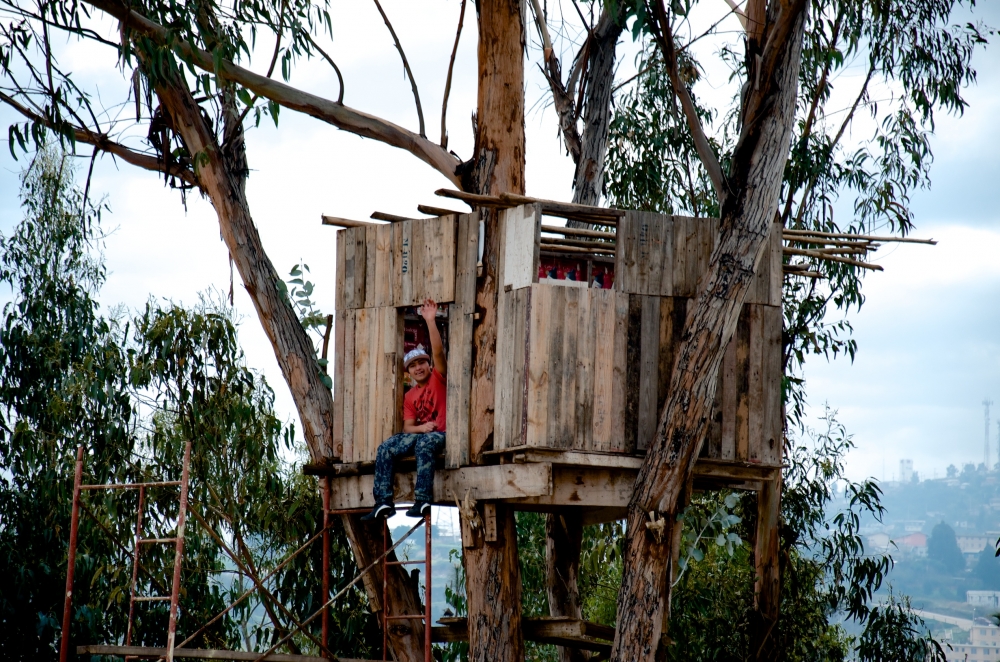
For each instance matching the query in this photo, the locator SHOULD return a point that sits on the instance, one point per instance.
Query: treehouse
(588, 323)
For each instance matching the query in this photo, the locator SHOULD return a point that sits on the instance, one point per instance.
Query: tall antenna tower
(986, 405)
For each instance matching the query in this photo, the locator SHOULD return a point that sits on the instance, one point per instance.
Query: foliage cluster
(131, 391)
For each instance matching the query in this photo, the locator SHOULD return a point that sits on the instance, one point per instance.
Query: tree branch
(562, 98)
(664, 37)
(103, 143)
(447, 82)
(331, 112)
(406, 66)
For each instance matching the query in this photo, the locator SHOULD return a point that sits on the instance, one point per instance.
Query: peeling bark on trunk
(748, 210)
(589, 177)
(493, 575)
(223, 182)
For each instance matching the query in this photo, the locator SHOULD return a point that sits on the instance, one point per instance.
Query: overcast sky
(928, 335)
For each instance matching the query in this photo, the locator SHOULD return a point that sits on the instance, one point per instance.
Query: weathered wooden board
(766, 286)
(662, 255)
(351, 250)
(339, 347)
(460, 322)
(397, 265)
(748, 398)
(500, 481)
(520, 229)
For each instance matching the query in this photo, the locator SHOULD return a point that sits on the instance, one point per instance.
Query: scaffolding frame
(170, 651)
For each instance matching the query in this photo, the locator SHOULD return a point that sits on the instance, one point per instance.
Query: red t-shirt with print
(426, 403)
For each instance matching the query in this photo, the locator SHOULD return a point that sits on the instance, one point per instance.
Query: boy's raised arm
(429, 312)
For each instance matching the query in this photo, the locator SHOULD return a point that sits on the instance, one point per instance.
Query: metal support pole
(427, 587)
(71, 558)
(326, 561)
(135, 566)
(385, 592)
(175, 591)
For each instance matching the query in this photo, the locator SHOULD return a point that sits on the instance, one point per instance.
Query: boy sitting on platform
(423, 425)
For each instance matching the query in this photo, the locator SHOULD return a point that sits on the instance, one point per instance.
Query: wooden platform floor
(537, 479)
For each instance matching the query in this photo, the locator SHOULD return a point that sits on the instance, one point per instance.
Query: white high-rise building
(905, 471)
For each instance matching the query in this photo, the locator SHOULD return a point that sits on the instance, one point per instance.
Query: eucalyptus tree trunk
(492, 568)
(221, 176)
(750, 195)
(588, 180)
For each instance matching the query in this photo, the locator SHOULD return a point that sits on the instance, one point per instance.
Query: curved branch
(101, 142)
(336, 69)
(665, 38)
(331, 112)
(447, 83)
(406, 66)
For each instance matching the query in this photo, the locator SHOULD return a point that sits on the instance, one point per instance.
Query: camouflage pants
(424, 446)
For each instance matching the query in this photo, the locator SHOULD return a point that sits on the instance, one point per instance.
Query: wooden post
(563, 537)
(492, 569)
(175, 590)
(767, 589)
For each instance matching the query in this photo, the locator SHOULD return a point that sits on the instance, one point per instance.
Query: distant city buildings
(905, 471)
(983, 643)
(988, 599)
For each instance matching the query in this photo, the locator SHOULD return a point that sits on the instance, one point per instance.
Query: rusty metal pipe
(175, 591)
(71, 558)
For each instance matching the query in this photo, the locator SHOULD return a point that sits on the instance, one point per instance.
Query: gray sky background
(928, 336)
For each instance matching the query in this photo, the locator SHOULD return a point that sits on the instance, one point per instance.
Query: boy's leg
(427, 447)
(385, 459)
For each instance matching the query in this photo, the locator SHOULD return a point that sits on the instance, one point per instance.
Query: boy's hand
(429, 311)
(430, 426)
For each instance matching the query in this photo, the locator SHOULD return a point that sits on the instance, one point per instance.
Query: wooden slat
(673, 311)
(339, 338)
(644, 250)
(755, 383)
(681, 257)
(774, 414)
(777, 276)
(340, 303)
(522, 351)
(538, 365)
(742, 423)
(460, 340)
(620, 372)
(553, 355)
(197, 654)
(585, 486)
(375, 371)
(586, 348)
(347, 392)
(504, 386)
(519, 237)
(603, 313)
(362, 381)
(354, 266)
(566, 436)
(649, 360)
(388, 405)
(633, 371)
(383, 266)
(371, 261)
(405, 266)
(729, 389)
(499, 481)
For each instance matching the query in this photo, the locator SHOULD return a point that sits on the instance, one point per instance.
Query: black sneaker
(381, 510)
(419, 509)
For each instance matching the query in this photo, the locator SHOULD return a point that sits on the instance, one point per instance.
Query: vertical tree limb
(406, 66)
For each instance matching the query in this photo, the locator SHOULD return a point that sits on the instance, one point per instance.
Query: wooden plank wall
(748, 418)
(460, 320)
(399, 264)
(520, 229)
(662, 255)
(589, 369)
(369, 396)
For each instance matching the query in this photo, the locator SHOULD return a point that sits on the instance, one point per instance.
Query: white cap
(417, 352)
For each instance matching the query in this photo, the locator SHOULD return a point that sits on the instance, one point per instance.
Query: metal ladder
(177, 540)
(426, 616)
